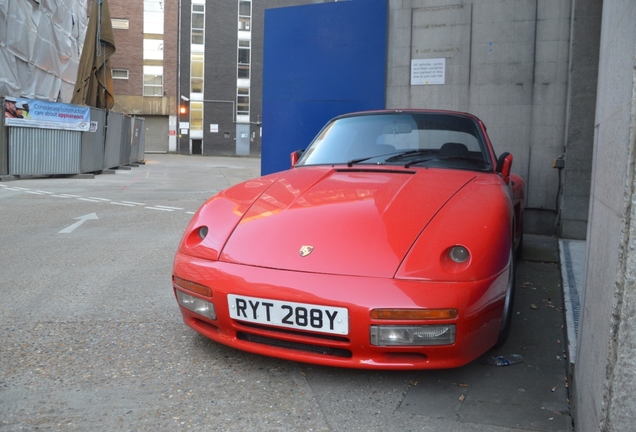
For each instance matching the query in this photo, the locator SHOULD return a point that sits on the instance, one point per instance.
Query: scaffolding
(40, 47)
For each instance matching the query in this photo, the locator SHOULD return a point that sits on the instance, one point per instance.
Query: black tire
(506, 317)
(519, 251)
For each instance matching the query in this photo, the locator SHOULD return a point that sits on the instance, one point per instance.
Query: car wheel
(506, 316)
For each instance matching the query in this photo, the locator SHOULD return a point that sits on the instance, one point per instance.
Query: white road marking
(81, 220)
(170, 208)
(92, 199)
(159, 208)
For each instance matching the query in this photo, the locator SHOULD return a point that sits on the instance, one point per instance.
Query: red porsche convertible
(390, 244)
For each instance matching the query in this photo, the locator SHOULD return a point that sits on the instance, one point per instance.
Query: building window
(245, 15)
(120, 23)
(243, 101)
(243, 59)
(153, 49)
(196, 116)
(153, 80)
(153, 16)
(196, 73)
(198, 24)
(119, 74)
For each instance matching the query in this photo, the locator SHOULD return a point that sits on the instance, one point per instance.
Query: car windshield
(400, 138)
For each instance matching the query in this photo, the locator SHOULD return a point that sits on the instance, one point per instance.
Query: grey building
(220, 75)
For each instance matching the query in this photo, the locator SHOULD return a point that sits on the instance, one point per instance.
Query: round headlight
(459, 254)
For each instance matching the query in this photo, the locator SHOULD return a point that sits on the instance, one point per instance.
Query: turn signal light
(192, 286)
(414, 314)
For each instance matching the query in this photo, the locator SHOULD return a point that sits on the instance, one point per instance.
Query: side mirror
(295, 156)
(504, 165)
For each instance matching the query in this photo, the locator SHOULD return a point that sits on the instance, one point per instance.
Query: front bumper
(479, 305)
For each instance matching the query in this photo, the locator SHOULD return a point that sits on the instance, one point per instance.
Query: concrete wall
(605, 374)
(506, 62)
(584, 51)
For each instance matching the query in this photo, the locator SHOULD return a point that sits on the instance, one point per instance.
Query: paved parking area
(91, 337)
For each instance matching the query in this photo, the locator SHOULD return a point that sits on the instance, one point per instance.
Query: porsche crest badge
(305, 250)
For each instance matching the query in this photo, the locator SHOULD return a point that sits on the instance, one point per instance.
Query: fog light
(196, 305)
(422, 335)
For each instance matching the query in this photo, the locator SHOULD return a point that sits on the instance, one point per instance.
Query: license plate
(303, 316)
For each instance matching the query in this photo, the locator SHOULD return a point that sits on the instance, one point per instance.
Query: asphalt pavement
(91, 337)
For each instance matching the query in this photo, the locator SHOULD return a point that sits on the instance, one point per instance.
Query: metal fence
(114, 140)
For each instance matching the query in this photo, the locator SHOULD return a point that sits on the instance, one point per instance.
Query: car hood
(349, 221)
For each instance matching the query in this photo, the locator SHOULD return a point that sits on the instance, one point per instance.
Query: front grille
(330, 337)
(298, 346)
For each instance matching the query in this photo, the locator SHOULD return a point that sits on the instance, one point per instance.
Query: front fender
(479, 217)
(220, 214)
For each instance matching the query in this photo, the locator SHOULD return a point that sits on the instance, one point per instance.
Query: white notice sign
(428, 71)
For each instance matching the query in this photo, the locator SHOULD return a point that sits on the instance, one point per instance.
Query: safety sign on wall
(428, 71)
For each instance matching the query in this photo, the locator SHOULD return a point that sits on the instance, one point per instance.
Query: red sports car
(390, 244)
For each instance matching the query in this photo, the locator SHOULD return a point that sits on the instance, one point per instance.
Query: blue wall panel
(319, 61)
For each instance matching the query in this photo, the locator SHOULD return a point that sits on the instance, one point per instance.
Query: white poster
(46, 115)
(428, 71)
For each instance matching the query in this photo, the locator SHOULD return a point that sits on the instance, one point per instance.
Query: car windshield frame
(401, 138)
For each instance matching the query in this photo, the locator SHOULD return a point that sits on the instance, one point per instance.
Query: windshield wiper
(417, 161)
(476, 162)
(409, 153)
(352, 162)
(366, 158)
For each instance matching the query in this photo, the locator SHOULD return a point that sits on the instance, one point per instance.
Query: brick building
(202, 56)
(145, 66)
